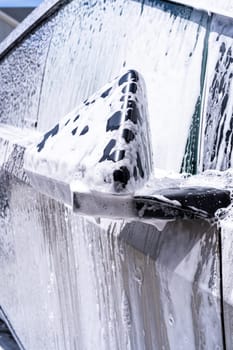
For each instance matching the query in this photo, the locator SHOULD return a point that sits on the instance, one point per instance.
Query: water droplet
(121, 251)
(66, 216)
(171, 320)
(98, 221)
(138, 276)
(125, 309)
(113, 267)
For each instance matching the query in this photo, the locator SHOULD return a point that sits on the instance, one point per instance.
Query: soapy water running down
(79, 282)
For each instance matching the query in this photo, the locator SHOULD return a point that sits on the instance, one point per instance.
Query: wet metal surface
(81, 283)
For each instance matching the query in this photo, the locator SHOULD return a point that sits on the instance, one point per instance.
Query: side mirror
(98, 160)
